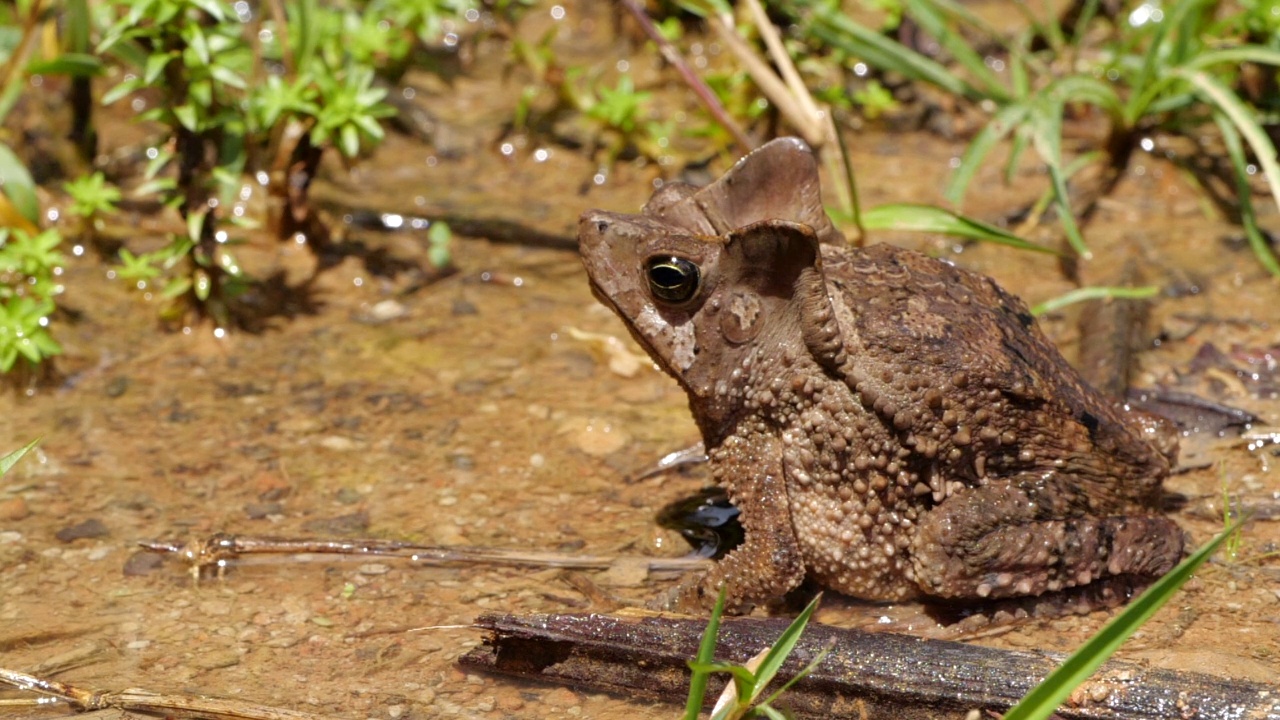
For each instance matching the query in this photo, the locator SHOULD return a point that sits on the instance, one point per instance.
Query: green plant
(92, 200)
(751, 679)
(616, 120)
(439, 242)
(29, 265)
(1173, 74)
(229, 116)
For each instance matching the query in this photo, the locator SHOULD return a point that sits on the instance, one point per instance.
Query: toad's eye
(673, 279)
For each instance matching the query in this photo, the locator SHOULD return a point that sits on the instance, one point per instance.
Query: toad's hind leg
(768, 564)
(1005, 540)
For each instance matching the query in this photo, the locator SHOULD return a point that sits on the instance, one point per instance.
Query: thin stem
(691, 78)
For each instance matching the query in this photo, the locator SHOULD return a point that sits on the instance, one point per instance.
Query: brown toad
(889, 425)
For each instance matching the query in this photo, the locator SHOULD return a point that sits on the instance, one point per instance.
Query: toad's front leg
(1016, 537)
(768, 563)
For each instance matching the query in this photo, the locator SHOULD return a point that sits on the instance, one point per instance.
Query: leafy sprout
(750, 680)
(91, 196)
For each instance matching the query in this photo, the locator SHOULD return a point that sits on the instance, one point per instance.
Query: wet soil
(465, 412)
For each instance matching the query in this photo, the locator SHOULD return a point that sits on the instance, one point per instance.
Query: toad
(890, 426)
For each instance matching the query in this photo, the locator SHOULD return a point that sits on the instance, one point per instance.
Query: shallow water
(466, 413)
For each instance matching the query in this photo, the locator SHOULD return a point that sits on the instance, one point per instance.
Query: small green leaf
(212, 7)
(176, 287)
(186, 114)
(349, 140)
(202, 285)
(227, 76)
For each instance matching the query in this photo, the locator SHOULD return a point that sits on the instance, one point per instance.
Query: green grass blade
(1242, 117)
(813, 664)
(1016, 149)
(1235, 56)
(771, 712)
(1095, 292)
(1087, 13)
(12, 458)
(1065, 215)
(835, 29)
(780, 649)
(910, 217)
(1004, 122)
(930, 18)
(1082, 89)
(1235, 151)
(1045, 698)
(1156, 57)
(706, 655)
(1046, 137)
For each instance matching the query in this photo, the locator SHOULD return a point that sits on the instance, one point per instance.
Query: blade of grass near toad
(1044, 699)
(706, 656)
(1095, 292)
(930, 218)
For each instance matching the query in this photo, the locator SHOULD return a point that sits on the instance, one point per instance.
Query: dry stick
(866, 675)
(770, 84)
(218, 550)
(691, 78)
(782, 59)
(142, 701)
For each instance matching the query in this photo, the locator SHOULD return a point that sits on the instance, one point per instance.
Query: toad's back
(960, 369)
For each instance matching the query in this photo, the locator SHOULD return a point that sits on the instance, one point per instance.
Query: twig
(217, 551)
(691, 78)
(187, 706)
(782, 59)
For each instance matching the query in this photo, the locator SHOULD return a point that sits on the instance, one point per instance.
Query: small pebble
(461, 461)
(339, 443)
(91, 528)
(14, 508)
(258, 511)
(385, 311)
(594, 436)
(117, 386)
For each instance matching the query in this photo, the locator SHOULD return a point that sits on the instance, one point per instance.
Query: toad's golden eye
(673, 279)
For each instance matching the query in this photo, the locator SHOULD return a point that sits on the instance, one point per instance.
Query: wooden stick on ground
(185, 706)
(867, 675)
(218, 550)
